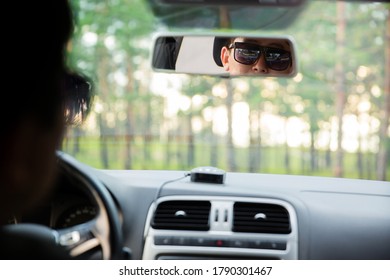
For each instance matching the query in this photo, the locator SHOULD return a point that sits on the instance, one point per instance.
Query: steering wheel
(30, 241)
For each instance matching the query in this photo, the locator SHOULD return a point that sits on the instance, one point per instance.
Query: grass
(175, 156)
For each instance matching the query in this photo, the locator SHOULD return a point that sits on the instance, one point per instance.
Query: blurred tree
(384, 148)
(112, 31)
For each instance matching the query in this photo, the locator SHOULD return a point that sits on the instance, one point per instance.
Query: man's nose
(260, 66)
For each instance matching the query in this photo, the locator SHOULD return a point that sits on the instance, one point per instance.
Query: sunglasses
(248, 54)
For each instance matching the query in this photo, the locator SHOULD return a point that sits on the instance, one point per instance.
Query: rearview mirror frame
(199, 54)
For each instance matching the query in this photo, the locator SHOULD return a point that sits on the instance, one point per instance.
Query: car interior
(210, 208)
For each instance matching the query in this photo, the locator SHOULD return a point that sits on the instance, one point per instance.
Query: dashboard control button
(273, 245)
(163, 240)
(181, 241)
(239, 243)
(200, 241)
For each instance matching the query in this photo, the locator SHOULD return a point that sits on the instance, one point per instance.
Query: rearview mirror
(226, 56)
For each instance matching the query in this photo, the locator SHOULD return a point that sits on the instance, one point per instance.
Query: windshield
(331, 119)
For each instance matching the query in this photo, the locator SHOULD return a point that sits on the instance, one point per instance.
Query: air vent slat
(182, 215)
(261, 218)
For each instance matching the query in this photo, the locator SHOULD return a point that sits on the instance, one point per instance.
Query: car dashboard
(251, 216)
(248, 216)
(165, 215)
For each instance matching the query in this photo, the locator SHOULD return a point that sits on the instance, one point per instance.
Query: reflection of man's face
(257, 56)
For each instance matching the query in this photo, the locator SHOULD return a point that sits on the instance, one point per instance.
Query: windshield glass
(331, 119)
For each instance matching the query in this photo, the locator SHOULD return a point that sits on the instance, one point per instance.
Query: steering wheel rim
(35, 241)
(104, 229)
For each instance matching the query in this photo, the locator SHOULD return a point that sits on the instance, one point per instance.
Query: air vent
(182, 215)
(261, 218)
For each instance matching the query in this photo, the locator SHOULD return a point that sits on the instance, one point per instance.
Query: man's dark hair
(220, 42)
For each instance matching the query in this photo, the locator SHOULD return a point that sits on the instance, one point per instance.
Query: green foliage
(89, 154)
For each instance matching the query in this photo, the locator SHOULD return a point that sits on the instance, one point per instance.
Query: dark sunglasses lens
(246, 56)
(278, 60)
